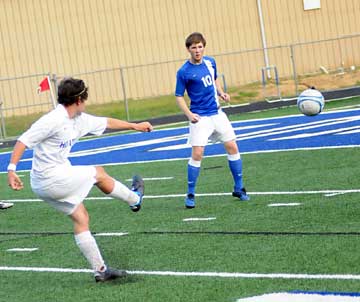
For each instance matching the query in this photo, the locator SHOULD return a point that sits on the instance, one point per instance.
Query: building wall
(80, 37)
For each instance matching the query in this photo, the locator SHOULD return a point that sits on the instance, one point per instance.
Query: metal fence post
(124, 93)
(292, 56)
(224, 82)
(263, 79)
(3, 129)
(54, 79)
(342, 64)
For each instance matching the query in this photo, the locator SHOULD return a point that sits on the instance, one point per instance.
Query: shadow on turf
(121, 281)
(240, 233)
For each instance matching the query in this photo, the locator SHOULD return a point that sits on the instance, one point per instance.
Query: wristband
(11, 167)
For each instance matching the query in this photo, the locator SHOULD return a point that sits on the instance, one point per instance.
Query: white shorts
(68, 189)
(215, 127)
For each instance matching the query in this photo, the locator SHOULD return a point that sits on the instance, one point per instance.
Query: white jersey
(52, 137)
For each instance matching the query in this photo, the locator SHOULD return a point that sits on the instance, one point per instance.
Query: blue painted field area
(327, 130)
(305, 297)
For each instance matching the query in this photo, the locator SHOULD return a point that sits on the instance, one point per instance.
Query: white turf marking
(293, 204)
(199, 219)
(153, 178)
(221, 155)
(349, 132)
(111, 234)
(45, 269)
(295, 297)
(325, 192)
(25, 249)
(190, 274)
(337, 131)
(334, 194)
(296, 127)
(170, 148)
(128, 145)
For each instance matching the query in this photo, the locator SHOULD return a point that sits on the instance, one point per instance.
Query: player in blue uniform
(198, 77)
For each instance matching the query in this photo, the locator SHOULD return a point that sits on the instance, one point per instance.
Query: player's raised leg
(138, 187)
(114, 188)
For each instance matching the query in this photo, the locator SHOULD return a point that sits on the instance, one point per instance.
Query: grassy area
(252, 239)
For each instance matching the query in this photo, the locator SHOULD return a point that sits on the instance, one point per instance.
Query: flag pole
(52, 96)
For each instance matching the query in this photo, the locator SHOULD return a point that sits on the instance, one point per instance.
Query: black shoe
(5, 205)
(109, 274)
(242, 195)
(138, 187)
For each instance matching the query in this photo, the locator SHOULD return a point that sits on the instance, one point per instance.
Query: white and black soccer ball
(311, 102)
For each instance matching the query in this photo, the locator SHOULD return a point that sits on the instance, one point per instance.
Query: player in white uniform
(198, 77)
(64, 186)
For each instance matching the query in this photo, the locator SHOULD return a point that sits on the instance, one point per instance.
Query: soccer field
(299, 232)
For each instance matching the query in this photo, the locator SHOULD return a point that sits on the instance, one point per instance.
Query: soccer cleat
(109, 274)
(5, 205)
(242, 195)
(190, 201)
(138, 187)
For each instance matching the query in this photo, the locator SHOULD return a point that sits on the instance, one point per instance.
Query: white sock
(233, 157)
(88, 246)
(122, 192)
(194, 163)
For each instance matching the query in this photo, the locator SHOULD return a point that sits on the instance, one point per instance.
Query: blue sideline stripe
(325, 293)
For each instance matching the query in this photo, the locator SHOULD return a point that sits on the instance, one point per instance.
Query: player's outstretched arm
(14, 180)
(116, 124)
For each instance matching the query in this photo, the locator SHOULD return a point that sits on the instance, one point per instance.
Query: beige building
(132, 48)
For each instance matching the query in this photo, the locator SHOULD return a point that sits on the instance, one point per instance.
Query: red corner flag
(44, 85)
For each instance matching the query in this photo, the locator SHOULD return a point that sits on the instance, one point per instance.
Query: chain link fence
(126, 85)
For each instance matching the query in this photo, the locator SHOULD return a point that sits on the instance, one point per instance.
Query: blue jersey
(199, 82)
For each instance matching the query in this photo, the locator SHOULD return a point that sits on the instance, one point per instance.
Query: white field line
(296, 127)
(334, 194)
(191, 274)
(222, 155)
(326, 192)
(303, 297)
(293, 204)
(110, 234)
(154, 178)
(199, 219)
(25, 249)
(305, 135)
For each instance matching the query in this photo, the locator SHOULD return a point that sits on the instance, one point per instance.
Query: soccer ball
(311, 102)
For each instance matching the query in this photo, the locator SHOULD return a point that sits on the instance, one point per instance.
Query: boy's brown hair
(195, 37)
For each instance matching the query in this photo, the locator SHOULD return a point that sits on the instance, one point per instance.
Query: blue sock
(236, 171)
(193, 173)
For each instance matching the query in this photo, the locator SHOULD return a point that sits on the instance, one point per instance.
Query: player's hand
(144, 127)
(194, 118)
(14, 181)
(225, 97)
